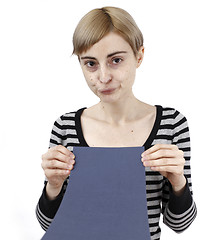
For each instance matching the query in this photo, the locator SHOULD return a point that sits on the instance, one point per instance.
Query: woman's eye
(116, 60)
(90, 64)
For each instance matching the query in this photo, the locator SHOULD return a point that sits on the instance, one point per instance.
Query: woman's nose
(105, 75)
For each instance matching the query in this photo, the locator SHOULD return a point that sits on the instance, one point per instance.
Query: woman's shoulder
(171, 113)
(69, 116)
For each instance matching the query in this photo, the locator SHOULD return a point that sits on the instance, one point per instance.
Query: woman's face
(109, 68)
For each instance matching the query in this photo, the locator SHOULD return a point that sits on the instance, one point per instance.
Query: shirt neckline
(148, 141)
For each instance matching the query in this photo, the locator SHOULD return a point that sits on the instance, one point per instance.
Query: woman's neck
(119, 112)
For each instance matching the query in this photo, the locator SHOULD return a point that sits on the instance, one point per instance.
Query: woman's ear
(140, 56)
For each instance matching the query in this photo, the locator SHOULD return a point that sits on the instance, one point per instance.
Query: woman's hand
(57, 163)
(169, 161)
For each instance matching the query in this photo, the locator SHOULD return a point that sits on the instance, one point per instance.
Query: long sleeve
(180, 211)
(46, 209)
(64, 132)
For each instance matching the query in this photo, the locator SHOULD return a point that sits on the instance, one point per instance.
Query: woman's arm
(57, 163)
(46, 209)
(180, 211)
(173, 162)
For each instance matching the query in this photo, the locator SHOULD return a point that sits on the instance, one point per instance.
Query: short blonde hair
(99, 22)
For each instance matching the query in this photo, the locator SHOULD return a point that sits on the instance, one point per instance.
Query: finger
(160, 153)
(49, 173)
(63, 150)
(55, 154)
(55, 164)
(163, 162)
(157, 147)
(170, 169)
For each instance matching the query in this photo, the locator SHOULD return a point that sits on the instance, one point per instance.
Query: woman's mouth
(107, 91)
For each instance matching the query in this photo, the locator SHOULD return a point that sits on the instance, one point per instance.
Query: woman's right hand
(57, 164)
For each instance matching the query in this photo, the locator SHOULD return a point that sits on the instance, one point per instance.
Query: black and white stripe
(179, 222)
(170, 128)
(43, 220)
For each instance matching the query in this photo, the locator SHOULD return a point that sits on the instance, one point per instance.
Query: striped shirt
(170, 127)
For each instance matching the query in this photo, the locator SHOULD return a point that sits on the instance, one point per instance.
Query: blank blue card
(105, 198)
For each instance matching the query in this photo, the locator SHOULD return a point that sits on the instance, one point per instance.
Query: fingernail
(144, 154)
(70, 167)
(146, 163)
(72, 161)
(144, 158)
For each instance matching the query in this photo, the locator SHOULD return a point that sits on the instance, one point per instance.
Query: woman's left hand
(169, 161)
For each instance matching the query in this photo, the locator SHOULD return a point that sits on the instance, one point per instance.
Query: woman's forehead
(111, 43)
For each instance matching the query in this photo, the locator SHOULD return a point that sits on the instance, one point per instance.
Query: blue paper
(105, 197)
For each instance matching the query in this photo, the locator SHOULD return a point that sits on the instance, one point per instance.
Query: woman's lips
(107, 91)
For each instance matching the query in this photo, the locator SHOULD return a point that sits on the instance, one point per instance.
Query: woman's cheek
(92, 85)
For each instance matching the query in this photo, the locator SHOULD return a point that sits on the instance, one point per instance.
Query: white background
(40, 80)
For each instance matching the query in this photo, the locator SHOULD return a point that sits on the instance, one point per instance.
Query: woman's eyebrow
(88, 57)
(109, 55)
(118, 52)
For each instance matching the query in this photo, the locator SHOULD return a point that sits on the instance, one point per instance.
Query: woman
(109, 46)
